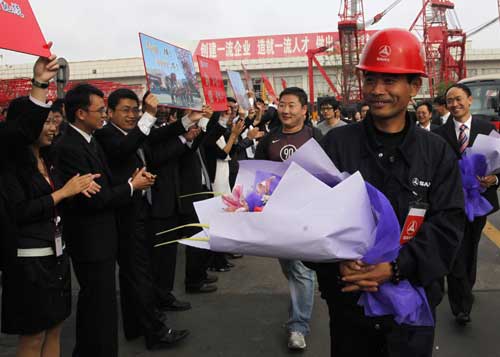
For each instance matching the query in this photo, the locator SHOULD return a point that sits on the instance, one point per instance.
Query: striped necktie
(463, 140)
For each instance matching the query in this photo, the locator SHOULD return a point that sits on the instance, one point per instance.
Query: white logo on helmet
(384, 52)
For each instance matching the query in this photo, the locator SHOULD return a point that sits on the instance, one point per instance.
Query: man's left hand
(487, 181)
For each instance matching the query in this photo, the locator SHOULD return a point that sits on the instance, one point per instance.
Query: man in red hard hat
(417, 172)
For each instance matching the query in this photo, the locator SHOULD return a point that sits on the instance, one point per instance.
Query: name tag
(412, 224)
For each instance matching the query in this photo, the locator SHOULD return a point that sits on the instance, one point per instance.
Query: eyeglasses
(324, 109)
(101, 111)
(128, 110)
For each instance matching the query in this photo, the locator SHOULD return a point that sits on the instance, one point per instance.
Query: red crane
(352, 38)
(444, 46)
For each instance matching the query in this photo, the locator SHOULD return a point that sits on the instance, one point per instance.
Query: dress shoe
(210, 279)
(230, 265)
(234, 256)
(462, 318)
(165, 338)
(219, 269)
(200, 289)
(177, 305)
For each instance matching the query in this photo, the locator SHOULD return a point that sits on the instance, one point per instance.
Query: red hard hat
(393, 51)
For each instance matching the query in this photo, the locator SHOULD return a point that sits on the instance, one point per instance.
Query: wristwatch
(43, 85)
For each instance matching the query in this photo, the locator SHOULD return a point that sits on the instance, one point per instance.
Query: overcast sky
(91, 29)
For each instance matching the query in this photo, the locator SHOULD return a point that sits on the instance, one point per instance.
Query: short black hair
(260, 100)
(17, 107)
(79, 98)
(296, 91)
(122, 93)
(460, 86)
(231, 99)
(58, 106)
(330, 101)
(440, 100)
(427, 104)
(363, 104)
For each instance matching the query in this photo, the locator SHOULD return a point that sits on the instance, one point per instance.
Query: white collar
(446, 116)
(117, 127)
(85, 135)
(458, 124)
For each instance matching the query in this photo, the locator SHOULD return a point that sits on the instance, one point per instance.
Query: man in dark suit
(194, 179)
(124, 141)
(424, 116)
(90, 230)
(442, 112)
(460, 131)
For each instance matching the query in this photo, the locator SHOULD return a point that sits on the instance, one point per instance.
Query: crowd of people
(97, 183)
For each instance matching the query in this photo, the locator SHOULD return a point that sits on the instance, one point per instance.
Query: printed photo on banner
(212, 83)
(19, 29)
(238, 89)
(170, 73)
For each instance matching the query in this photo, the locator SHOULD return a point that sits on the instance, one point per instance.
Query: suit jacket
(163, 160)
(13, 134)
(190, 168)
(89, 228)
(161, 148)
(478, 126)
(29, 195)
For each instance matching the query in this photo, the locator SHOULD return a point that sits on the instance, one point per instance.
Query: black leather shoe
(210, 279)
(201, 289)
(234, 256)
(220, 269)
(177, 305)
(165, 338)
(462, 318)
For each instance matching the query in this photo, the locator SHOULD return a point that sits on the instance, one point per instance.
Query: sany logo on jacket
(420, 183)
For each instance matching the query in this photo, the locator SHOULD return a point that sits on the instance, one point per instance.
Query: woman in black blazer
(36, 296)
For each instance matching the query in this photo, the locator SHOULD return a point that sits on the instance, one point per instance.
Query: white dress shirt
(467, 124)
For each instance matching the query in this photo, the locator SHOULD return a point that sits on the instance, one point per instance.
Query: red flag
(248, 79)
(212, 83)
(19, 30)
(269, 88)
(283, 83)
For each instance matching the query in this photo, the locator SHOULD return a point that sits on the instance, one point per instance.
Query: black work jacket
(422, 168)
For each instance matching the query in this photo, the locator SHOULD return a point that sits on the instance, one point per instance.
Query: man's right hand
(151, 104)
(255, 134)
(192, 133)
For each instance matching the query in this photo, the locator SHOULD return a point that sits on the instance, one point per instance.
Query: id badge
(58, 238)
(413, 222)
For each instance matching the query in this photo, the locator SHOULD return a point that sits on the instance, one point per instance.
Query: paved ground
(245, 317)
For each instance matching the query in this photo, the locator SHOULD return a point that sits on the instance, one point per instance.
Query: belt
(35, 252)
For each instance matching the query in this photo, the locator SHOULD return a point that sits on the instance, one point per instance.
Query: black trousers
(196, 259)
(354, 335)
(462, 277)
(96, 312)
(137, 296)
(164, 259)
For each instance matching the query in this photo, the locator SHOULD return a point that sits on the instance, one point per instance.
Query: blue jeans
(301, 285)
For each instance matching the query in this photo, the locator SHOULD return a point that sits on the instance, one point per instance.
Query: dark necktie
(93, 146)
(147, 192)
(204, 170)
